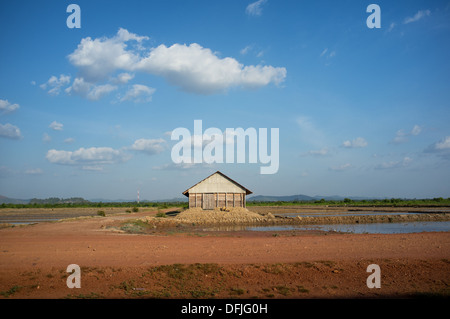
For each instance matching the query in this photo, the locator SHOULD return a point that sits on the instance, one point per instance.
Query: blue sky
(88, 111)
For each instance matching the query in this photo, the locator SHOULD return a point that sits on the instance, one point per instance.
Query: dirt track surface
(33, 261)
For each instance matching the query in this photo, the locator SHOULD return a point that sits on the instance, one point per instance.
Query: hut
(216, 190)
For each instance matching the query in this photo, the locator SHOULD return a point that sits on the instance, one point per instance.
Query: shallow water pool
(373, 228)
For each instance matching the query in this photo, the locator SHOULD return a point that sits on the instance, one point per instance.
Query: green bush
(101, 213)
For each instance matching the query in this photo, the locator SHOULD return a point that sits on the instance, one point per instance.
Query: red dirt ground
(33, 262)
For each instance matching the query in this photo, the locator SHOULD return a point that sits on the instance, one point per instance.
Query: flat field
(161, 261)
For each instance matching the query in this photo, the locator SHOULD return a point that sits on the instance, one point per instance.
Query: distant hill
(290, 198)
(257, 198)
(269, 198)
(56, 200)
(7, 200)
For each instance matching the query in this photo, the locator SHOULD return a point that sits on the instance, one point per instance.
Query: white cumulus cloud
(98, 58)
(440, 148)
(87, 156)
(10, 131)
(190, 67)
(6, 107)
(56, 126)
(149, 146)
(89, 90)
(54, 84)
(199, 70)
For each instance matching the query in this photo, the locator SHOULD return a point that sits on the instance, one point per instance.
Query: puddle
(373, 228)
(27, 221)
(353, 213)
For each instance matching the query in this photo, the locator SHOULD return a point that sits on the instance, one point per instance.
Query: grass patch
(283, 290)
(135, 226)
(237, 291)
(302, 289)
(92, 295)
(274, 269)
(11, 291)
(101, 213)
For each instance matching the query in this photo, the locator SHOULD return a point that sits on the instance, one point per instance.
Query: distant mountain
(7, 200)
(257, 198)
(56, 200)
(290, 198)
(263, 198)
(176, 199)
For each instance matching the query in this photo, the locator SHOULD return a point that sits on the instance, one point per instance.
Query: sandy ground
(33, 262)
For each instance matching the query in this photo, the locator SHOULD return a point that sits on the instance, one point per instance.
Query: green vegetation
(11, 291)
(393, 202)
(101, 213)
(81, 203)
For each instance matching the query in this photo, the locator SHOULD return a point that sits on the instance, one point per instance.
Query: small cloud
(441, 148)
(122, 78)
(54, 84)
(92, 168)
(403, 137)
(35, 171)
(6, 107)
(418, 16)
(89, 90)
(255, 8)
(56, 126)
(46, 138)
(394, 164)
(341, 168)
(416, 130)
(69, 140)
(183, 166)
(93, 156)
(356, 143)
(245, 50)
(139, 93)
(98, 91)
(174, 166)
(321, 152)
(10, 131)
(391, 27)
(327, 55)
(149, 146)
